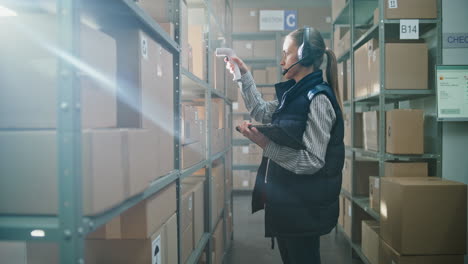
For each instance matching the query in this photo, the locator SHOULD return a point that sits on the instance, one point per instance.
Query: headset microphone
(290, 67)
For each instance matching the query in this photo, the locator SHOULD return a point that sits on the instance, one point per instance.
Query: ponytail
(332, 74)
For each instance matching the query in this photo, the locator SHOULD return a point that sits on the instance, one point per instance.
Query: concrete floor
(250, 245)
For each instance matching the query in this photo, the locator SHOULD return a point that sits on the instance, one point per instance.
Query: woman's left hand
(254, 135)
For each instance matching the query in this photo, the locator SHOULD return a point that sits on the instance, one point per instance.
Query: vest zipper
(266, 172)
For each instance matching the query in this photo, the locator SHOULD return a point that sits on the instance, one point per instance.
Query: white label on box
(235, 106)
(159, 72)
(350, 210)
(392, 3)
(409, 29)
(245, 150)
(248, 45)
(156, 251)
(190, 203)
(253, 13)
(245, 183)
(144, 48)
(328, 19)
(376, 183)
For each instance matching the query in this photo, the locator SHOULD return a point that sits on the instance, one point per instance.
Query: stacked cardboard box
(358, 130)
(245, 20)
(405, 131)
(359, 185)
(394, 169)
(218, 124)
(340, 40)
(197, 42)
(371, 240)
(337, 7)
(193, 135)
(353, 216)
(247, 155)
(371, 130)
(150, 225)
(417, 9)
(218, 243)
(367, 69)
(342, 211)
(244, 179)
(422, 219)
(342, 82)
(218, 176)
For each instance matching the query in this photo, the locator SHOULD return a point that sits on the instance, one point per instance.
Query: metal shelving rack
(69, 228)
(357, 13)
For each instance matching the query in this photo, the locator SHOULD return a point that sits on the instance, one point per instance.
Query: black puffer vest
(301, 205)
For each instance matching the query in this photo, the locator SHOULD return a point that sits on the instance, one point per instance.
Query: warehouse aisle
(249, 245)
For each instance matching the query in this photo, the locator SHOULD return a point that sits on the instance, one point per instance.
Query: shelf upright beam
(69, 170)
(382, 97)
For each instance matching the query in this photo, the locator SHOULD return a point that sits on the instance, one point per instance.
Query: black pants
(299, 250)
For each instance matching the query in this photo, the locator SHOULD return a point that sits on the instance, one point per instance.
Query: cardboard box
(347, 172)
(348, 216)
(218, 242)
(243, 48)
(358, 130)
(197, 41)
(220, 74)
(192, 154)
(187, 243)
(143, 219)
(245, 20)
(169, 28)
(423, 216)
(371, 240)
(416, 9)
(185, 47)
(361, 71)
(159, 10)
(19, 252)
(348, 80)
(272, 75)
(339, 40)
(342, 81)
(31, 157)
(405, 169)
(186, 209)
(374, 193)
(28, 76)
(405, 131)
(388, 255)
(362, 170)
(318, 17)
(337, 7)
(264, 49)
(160, 247)
(140, 151)
(243, 180)
(376, 16)
(198, 207)
(260, 76)
(342, 210)
(406, 66)
(231, 89)
(371, 130)
(110, 230)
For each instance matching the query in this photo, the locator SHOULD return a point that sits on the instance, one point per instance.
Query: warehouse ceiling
(280, 3)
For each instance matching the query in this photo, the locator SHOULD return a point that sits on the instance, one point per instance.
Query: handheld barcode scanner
(226, 52)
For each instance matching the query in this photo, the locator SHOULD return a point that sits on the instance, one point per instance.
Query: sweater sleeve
(316, 137)
(259, 109)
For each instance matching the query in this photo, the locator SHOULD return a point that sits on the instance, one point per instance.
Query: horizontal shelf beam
(241, 142)
(363, 202)
(195, 80)
(189, 171)
(245, 167)
(21, 227)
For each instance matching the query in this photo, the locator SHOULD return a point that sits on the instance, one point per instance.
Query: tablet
(279, 136)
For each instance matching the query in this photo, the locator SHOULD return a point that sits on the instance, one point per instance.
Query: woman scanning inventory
(298, 188)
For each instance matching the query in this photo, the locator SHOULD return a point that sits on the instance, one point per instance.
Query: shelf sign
(278, 20)
(409, 29)
(455, 40)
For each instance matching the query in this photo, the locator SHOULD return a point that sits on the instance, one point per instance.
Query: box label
(248, 45)
(245, 183)
(350, 210)
(235, 106)
(144, 48)
(190, 203)
(253, 13)
(392, 4)
(156, 250)
(377, 183)
(409, 29)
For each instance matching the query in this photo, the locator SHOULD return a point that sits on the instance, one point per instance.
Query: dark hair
(317, 50)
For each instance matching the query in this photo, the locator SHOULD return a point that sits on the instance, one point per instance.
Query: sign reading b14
(278, 20)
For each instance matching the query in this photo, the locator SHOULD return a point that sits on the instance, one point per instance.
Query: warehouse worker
(299, 189)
